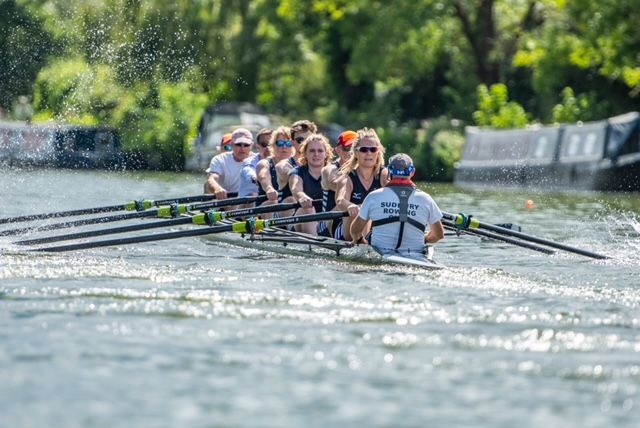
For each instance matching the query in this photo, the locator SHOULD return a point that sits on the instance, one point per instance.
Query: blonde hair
(282, 130)
(311, 138)
(352, 163)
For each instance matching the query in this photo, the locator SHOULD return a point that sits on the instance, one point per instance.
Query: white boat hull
(281, 241)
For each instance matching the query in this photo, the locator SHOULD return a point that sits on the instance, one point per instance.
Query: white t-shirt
(248, 177)
(228, 169)
(384, 203)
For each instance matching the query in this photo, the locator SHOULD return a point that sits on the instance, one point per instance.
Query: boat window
(589, 147)
(574, 145)
(541, 146)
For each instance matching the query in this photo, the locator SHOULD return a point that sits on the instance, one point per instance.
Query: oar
(249, 226)
(451, 226)
(163, 212)
(209, 217)
(137, 205)
(472, 223)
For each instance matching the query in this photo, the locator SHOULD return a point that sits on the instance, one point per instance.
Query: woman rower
(280, 149)
(362, 174)
(304, 181)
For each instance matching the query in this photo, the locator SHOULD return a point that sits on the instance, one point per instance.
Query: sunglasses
(284, 143)
(243, 145)
(345, 148)
(299, 140)
(264, 143)
(227, 147)
(365, 149)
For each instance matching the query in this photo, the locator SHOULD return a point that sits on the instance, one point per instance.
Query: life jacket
(404, 192)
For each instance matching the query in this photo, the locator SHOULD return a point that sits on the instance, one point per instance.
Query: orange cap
(347, 138)
(226, 139)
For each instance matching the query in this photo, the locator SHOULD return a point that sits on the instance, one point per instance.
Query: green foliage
(355, 62)
(76, 92)
(574, 109)
(434, 148)
(496, 111)
(25, 46)
(447, 150)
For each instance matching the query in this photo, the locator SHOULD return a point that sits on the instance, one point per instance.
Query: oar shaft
(239, 227)
(500, 230)
(110, 231)
(25, 218)
(83, 222)
(110, 208)
(451, 226)
(138, 239)
(156, 224)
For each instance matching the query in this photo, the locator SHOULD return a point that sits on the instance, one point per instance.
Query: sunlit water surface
(198, 333)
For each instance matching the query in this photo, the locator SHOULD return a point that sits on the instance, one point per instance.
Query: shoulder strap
(403, 193)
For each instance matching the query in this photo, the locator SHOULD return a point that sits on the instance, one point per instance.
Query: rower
(304, 181)
(330, 178)
(280, 149)
(300, 130)
(248, 174)
(225, 143)
(399, 214)
(362, 174)
(224, 169)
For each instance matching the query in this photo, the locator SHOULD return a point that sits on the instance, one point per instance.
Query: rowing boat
(296, 243)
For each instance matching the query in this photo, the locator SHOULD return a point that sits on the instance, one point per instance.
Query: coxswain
(399, 214)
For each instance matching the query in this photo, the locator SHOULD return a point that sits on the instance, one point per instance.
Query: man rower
(225, 143)
(224, 170)
(330, 178)
(361, 175)
(304, 181)
(399, 214)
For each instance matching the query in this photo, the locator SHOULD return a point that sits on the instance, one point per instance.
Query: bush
(496, 111)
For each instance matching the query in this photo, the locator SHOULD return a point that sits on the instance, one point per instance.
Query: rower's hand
(353, 210)
(221, 194)
(305, 201)
(272, 195)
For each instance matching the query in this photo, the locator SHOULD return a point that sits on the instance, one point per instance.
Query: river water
(198, 333)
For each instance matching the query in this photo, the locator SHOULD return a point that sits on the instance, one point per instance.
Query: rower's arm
(283, 170)
(297, 190)
(384, 177)
(357, 228)
(344, 189)
(264, 178)
(213, 185)
(329, 175)
(435, 233)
